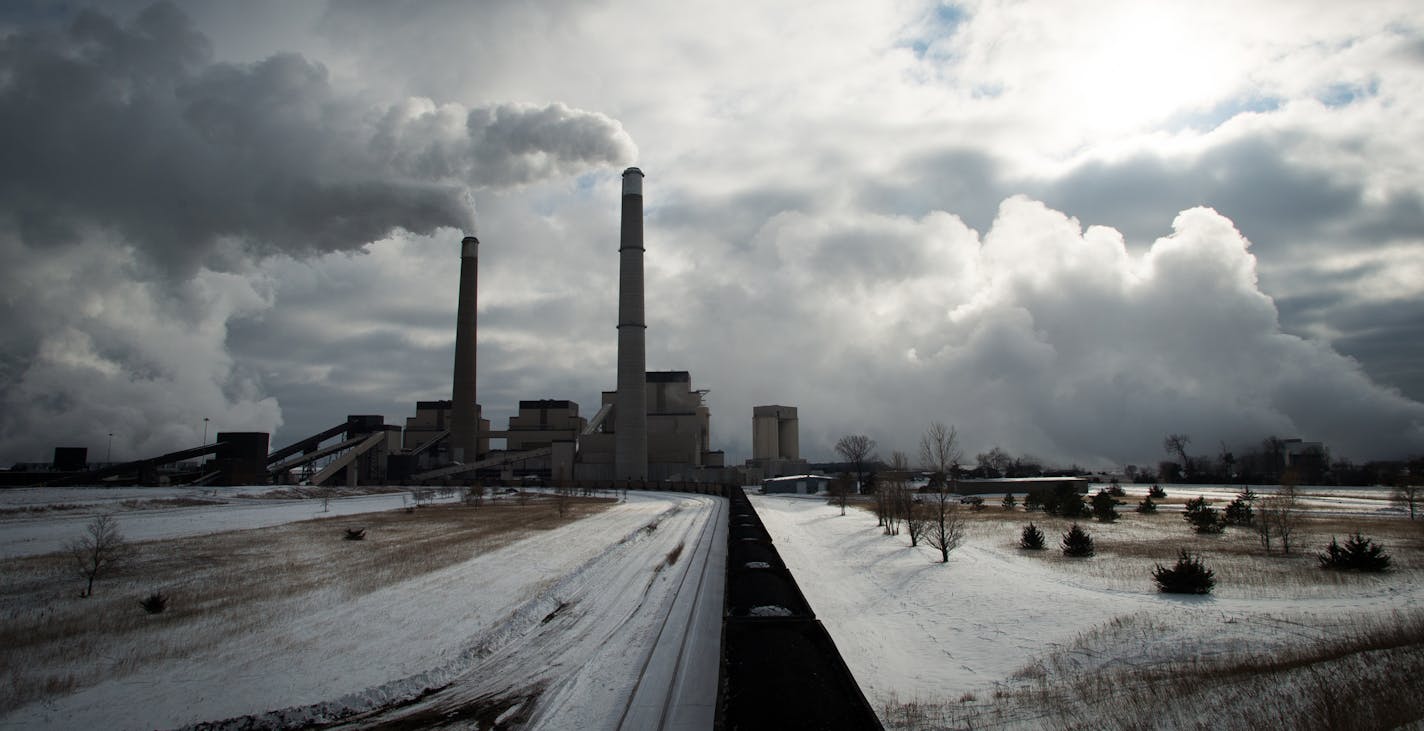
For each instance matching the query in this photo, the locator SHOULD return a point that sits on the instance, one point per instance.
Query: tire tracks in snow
(532, 671)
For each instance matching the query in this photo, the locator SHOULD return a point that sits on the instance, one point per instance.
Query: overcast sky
(1067, 229)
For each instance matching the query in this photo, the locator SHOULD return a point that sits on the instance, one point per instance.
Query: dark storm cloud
(133, 127)
(1251, 181)
(137, 168)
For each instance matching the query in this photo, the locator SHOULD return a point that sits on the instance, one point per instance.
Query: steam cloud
(141, 180)
(1039, 336)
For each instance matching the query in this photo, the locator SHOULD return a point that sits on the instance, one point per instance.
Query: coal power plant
(653, 429)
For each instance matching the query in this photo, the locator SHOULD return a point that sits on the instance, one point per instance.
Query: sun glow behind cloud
(1144, 64)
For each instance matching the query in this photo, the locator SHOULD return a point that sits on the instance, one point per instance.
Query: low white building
(796, 485)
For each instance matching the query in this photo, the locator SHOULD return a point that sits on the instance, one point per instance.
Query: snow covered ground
(146, 518)
(560, 628)
(913, 630)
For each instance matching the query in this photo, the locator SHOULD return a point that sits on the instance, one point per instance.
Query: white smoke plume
(142, 179)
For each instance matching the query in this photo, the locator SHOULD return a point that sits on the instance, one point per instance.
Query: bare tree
(99, 550)
(563, 497)
(940, 453)
(840, 491)
(944, 526)
(884, 504)
(856, 449)
(995, 462)
(1278, 516)
(1407, 495)
(891, 496)
(1227, 460)
(1177, 444)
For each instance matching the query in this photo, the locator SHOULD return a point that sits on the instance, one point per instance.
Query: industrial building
(653, 427)
(776, 443)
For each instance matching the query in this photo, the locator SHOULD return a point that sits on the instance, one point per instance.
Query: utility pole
(205, 431)
(109, 456)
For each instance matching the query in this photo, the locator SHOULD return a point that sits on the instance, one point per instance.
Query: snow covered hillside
(443, 615)
(951, 645)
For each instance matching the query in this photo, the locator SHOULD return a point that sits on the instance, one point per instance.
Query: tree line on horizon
(1265, 463)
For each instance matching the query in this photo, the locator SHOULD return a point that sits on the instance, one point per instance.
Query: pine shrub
(1008, 502)
(1032, 538)
(1358, 554)
(1033, 500)
(1157, 492)
(1188, 576)
(1105, 506)
(1077, 543)
(1147, 506)
(1065, 501)
(154, 603)
(1239, 512)
(1206, 521)
(355, 534)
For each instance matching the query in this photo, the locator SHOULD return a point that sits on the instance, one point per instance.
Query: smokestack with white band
(465, 416)
(630, 424)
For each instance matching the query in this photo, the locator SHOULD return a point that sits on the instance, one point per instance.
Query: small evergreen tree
(154, 603)
(1239, 512)
(1077, 543)
(1157, 492)
(1008, 502)
(1188, 576)
(1246, 494)
(1049, 500)
(1358, 554)
(1115, 489)
(1204, 519)
(1031, 538)
(1147, 506)
(1064, 500)
(1105, 507)
(1033, 500)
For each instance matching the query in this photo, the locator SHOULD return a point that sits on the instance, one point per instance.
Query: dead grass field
(225, 584)
(1128, 550)
(1282, 665)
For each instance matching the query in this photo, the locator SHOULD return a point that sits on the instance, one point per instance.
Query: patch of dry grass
(227, 584)
(1345, 676)
(168, 502)
(42, 509)
(1128, 549)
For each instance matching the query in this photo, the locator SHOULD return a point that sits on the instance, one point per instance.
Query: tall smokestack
(465, 415)
(630, 423)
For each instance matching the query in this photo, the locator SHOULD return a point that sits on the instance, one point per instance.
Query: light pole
(205, 431)
(109, 457)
